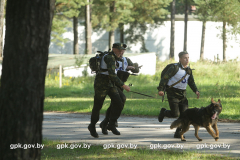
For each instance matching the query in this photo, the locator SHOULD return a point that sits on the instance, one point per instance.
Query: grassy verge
(50, 152)
(218, 81)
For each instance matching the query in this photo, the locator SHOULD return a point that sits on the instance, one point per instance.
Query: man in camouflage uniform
(105, 84)
(177, 94)
(124, 65)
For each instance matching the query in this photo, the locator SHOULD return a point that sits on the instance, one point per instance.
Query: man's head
(119, 49)
(184, 58)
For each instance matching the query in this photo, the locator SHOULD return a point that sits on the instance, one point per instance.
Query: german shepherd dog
(200, 117)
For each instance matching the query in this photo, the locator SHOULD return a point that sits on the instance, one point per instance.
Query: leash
(140, 93)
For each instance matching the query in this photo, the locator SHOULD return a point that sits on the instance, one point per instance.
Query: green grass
(50, 152)
(214, 80)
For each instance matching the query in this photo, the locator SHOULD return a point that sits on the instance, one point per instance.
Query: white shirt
(122, 65)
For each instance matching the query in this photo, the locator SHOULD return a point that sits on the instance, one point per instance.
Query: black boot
(92, 130)
(177, 133)
(161, 115)
(104, 125)
(111, 127)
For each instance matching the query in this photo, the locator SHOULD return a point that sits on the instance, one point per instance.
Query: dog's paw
(183, 140)
(216, 139)
(200, 139)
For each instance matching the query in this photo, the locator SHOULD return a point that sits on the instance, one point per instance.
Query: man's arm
(193, 86)
(133, 66)
(165, 78)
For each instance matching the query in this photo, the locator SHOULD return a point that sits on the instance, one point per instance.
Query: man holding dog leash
(124, 65)
(174, 81)
(105, 84)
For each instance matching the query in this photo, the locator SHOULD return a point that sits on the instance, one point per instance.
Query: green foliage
(79, 60)
(145, 15)
(136, 13)
(64, 11)
(59, 25)
(220, 10)
(104, 18)
(203, 10)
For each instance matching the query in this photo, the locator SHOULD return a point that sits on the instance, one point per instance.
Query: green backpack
(176, 68)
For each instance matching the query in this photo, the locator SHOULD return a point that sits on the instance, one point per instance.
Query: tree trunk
(2, 3)
(224, 41)
(111, 32)
(75, 33)
(88, 29)
(185, 28)
(173, 9)
(202, 41)
(111, 38)
(28, 28)
(121, 28)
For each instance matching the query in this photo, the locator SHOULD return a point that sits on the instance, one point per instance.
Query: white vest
(104, 66)
(122, 65)
(181, 85)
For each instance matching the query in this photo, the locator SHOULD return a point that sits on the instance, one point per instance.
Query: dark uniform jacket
(105, 81)
(130, 63)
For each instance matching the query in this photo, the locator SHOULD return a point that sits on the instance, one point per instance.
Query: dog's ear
(219, 101)
(212, 101)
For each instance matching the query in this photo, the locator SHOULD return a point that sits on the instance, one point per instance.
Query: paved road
(139, 132)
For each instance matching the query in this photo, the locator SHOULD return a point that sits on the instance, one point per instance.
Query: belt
(181, 90)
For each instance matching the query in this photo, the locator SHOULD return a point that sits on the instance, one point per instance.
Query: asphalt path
(138, 132)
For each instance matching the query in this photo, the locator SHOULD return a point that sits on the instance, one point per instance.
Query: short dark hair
(182, 53)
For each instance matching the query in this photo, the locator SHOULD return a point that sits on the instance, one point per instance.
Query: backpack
(176, 68)
(95, 62)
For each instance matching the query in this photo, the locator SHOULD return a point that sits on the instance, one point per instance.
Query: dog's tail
(176, 123)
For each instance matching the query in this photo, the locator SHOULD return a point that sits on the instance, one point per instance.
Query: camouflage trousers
(117, 102)
(122, 96)
(178, 102)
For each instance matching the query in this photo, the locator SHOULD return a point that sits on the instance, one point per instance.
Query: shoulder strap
(178, 81)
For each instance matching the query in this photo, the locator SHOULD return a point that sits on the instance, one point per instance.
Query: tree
(228, 12)
(67, 10)
(28, 27)
(112, 30)
(75, 35)
(173, 9)
(145, 15)
(203, 10)
(2, 4)
(88, 28)
(108, 14)
(185, 25)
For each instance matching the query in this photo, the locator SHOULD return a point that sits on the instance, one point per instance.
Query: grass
(50, 152)
(214, 80)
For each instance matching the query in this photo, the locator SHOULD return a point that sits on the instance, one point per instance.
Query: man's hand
(161, 93)
(127, 88)
(130, 67)
(198, 94)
